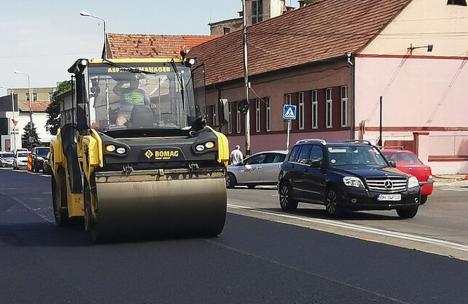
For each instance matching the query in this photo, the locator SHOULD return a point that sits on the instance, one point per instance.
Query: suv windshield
(161, 98)
(355, 156)
(6, 155)
(23, 154)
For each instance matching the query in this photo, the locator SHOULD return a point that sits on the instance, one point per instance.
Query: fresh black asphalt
(252, 261)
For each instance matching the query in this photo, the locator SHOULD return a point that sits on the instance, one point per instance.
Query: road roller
(134, 156)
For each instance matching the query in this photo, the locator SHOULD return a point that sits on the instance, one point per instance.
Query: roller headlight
(200, 148)
(110, 148)
(121, 150)
(413, 182)
(210, 145)
(352, 181)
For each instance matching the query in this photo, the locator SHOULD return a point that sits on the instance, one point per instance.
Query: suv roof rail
(302, 141)
(359, 141)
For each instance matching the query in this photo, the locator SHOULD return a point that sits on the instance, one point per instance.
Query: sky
(43, 38)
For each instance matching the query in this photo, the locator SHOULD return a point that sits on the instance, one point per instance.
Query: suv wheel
(407, 213)
(286, 203)
(331, 205)
(423, 199)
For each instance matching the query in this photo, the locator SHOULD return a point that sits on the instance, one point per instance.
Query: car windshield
(161, 98)
(23, 154)
(403, 158)
(42, 151)
(355, 156)
(6, 155)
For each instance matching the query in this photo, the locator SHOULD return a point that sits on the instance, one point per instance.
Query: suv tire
(286, 202)
(407, 213)
(332, 208)
(423, 199)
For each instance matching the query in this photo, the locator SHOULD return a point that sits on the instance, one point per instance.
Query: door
(271, 167)
(301, 167)
(250, 172)
(314, 176)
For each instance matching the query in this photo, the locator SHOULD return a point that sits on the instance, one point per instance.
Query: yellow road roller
(134, 156)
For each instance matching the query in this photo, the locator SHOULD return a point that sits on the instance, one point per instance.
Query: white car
(21, 160)
(6, 159)
(259, 169)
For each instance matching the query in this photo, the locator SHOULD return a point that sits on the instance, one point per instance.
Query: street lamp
(30, 102)
(87, 14)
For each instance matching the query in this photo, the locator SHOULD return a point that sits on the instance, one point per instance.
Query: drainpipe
(352, 65)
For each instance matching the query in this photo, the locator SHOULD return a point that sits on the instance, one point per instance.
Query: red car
(408, 162)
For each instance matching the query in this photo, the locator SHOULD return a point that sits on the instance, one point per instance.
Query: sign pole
(288, 134)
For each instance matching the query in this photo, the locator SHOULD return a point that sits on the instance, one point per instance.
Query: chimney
(301, 3)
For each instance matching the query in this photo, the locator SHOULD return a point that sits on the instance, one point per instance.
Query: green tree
(53, 110)
(30, 139)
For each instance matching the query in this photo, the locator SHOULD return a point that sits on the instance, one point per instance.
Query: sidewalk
(451, 180)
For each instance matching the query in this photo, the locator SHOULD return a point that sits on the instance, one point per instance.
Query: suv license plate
(389, 197)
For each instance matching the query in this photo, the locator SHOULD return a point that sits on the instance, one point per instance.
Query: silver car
(6, 159)
(259, 169)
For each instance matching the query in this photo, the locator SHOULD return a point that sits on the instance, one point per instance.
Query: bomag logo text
(166, 154)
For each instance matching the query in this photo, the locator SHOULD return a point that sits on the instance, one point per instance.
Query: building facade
(38, 94)
(412, 53)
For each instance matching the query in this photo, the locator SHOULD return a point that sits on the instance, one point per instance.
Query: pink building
(334, 59)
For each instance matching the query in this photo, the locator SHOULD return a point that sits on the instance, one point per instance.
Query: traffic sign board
(289, 112)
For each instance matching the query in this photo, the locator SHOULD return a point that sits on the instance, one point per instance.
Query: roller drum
(161, 208)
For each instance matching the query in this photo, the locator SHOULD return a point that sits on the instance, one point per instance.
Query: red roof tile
(153, 46)
(36, 106)
(324, 30)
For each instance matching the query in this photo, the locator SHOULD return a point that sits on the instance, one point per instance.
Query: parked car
(38, 155)
(21, 160)
(46, 169)
(408, 162)
(259, 169)
(345, 176)
(6, 159)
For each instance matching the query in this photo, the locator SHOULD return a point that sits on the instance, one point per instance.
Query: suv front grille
(386, 184)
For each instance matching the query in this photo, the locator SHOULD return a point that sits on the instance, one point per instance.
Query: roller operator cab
(134, 156)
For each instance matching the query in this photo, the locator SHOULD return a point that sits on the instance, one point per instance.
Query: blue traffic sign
(289, 112)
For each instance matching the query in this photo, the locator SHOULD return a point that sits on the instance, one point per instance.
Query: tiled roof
(36, 106)
(151, 46)
(323, 30)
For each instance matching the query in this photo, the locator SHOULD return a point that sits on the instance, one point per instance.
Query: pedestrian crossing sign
(289, 112)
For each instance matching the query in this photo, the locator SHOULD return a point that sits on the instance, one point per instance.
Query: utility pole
(246, 83)
(13, 131)
(381, 127)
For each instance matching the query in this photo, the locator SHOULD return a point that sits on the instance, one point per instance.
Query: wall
(43, 94)
(218, 27)
(275, 86)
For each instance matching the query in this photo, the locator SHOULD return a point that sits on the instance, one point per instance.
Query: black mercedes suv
(345, 176)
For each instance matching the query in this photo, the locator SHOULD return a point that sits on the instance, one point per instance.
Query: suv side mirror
(223, 106)
(392, 163)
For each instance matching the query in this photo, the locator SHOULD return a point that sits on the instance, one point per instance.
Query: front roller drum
(160, 208)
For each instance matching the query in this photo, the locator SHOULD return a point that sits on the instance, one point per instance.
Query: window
(457, 2)
(256, 159)
(288, 99)
(305, 154)
(257, 11)
(34, 96)
(230, 118)
(238, 120)
(344, 106)
(257, 115)
(226, 30)
(279, 158)
(300, 97)
(294, 154)
(329, 109)
(316, 154)
(268, 115)
(314, 109)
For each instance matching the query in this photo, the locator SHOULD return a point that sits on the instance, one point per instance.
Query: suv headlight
(352, 181)
(413, 182)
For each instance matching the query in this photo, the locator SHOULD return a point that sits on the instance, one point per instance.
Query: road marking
(376, 231)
